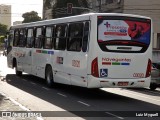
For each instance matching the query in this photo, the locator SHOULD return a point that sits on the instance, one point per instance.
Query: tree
(3, 29)
(30, 17)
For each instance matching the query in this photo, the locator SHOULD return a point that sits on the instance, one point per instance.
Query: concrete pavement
(8, 104)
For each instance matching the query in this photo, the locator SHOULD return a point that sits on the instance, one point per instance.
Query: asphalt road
(79, 103)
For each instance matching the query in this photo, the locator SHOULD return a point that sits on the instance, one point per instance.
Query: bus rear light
(104, 81)
(141, 81)
(94, 68)
(149, 67)
(100, 17)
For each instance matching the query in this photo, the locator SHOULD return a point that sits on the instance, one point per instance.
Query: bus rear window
(123, 34)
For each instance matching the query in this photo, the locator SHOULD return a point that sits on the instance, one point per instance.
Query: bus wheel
(49, 77)
(153, 86)
(18, 73)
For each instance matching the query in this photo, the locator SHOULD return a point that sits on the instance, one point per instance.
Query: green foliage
(1, 41)
(30, 17)
(3, 29)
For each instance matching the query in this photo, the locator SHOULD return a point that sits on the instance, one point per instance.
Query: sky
(18, 7)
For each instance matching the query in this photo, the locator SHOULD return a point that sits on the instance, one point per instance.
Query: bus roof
(73, 18)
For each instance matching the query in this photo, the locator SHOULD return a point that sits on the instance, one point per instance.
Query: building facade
(148, 8)
(5, 15)
(17, 22)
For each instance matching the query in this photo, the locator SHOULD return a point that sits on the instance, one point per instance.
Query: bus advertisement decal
(45, 52)
(116, 61)
(103, 72)
(75, 63)
(60, 60)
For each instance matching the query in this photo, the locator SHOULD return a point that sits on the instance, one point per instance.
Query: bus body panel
(76, 68)
(115, 67)
(27, 64)
(61, 76)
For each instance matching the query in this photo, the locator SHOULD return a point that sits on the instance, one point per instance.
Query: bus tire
(18, 73)
(49, 77)
(153, 86)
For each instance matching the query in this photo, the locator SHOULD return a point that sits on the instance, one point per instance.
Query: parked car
(155, 76)
(156, 64)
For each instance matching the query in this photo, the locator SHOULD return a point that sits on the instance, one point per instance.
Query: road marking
(84, 103)
(140, 95)
(45, 88)
(155, 92)
(33, 83)
(114, 115)
(24, 79)
(21, 106)
(61, 94)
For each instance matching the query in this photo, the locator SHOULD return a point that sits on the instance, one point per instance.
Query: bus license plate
(122, 83)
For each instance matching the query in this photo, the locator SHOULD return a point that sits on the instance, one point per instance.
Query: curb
(18, 104)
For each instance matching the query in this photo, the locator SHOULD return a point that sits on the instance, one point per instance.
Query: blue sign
(103, 72)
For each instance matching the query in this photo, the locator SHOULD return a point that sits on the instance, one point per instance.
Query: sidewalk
(8, 104)
(9, 107)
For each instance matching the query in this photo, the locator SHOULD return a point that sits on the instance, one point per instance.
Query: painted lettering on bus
(75, 63)
(116, 59)
(138, 75)
(18, 54)
(60, 60)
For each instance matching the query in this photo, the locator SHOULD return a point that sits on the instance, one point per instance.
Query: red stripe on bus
(38, 51)
(106, 63)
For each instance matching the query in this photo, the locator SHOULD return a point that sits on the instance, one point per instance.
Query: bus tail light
(149, 67)
(94, 68)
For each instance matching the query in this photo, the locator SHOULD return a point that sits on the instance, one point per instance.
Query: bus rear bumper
(94, 82)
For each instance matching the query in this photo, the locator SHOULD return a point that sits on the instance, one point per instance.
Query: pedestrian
(5, 42)
(5, 45)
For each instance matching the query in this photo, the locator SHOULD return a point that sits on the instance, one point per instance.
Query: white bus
(92, 50)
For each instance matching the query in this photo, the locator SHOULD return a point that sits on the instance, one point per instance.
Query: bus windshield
(123, 34)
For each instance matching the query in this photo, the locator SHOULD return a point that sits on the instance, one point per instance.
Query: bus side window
(48, 37)
(30, 38)
(85, 37)
(11, 38)
(38, 38)
(60, 37)
(75, 37)
(16, 38)
(22, 38)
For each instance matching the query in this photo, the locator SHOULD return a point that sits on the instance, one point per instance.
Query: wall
(150, 8)
(5, 15)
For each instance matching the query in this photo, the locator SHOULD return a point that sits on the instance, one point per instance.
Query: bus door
(60, 54)
(10, 48)
(76, 58)
(27, 65)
